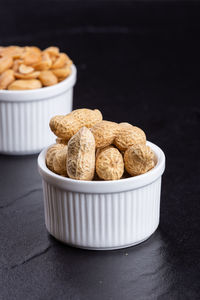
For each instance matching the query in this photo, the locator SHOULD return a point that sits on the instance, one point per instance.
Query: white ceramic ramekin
(25, 115)
(102, 215)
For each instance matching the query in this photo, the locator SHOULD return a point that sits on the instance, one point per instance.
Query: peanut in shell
(61, 141)
(51, 153)
(138, 159)
(109, 164)
(104, 133)
(60, 162)
(66, 126)
(81, 155)
(129, 135)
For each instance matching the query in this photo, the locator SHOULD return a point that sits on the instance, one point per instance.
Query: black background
(137, 61)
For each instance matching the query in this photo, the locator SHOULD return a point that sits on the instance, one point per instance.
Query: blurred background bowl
(25, 115)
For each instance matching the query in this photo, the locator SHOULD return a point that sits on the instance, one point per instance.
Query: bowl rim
(44, 92)
(113, 186)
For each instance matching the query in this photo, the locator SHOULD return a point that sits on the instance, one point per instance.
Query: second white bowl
(25, 115)
(102, 215)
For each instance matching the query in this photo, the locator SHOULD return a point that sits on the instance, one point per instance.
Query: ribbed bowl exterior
(102, 221)
(24, 126)
(25, 116)
(102, 215)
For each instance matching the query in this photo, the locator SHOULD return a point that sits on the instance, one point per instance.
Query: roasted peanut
(32, 49)
(125, 125)
(62, 73)
(5, 63)
(52, 51)
(61, 141)
(129, 135)
(104, 133)
(25, 69)
(90, 140)
(66, 126)
(44, 64)
(138, 159)
(12, 51)
(28, 84)
(109, 164)
(60, 61)
(27, 63)
(6, 78)
(48, 78)
(16, 65)
(32, 75)
(60, 162)
(31, 56)
(81, 155)
(51, 153)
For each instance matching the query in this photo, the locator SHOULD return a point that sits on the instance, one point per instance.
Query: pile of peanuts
(27, 68)
(90, 148)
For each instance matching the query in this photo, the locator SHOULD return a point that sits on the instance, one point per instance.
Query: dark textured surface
(146, 75)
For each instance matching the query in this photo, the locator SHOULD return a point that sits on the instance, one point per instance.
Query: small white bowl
(25, 115)
(102, 215)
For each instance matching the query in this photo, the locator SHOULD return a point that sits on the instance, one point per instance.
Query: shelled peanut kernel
(48, 67)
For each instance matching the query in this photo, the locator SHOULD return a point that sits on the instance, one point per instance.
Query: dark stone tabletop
(146, 74)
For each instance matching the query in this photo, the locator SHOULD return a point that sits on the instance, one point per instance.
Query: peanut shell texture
(128, 136)
(109, 164)
(66, 126)
(60, 162)
(51, 153)
(81, 155)
(104, 133)
(138, 159)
